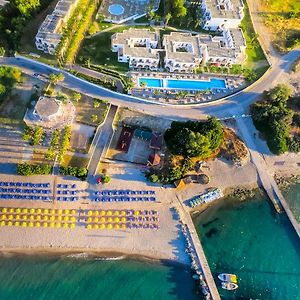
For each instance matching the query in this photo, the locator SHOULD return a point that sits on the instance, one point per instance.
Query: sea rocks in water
(242, 193)
(284, 182)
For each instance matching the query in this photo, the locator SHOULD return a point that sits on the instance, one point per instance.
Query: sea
(247, 238)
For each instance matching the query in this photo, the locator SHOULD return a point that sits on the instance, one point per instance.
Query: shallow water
(292, 195)
(249, 239)
(65, 278)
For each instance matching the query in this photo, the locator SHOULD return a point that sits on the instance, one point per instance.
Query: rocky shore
(285, 181)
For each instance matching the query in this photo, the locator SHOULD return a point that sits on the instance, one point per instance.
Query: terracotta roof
(154, 159)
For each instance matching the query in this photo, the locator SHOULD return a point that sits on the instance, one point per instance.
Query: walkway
(267, 180)
(103, 136)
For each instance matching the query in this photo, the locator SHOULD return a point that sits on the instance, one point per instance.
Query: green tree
(76, 96)
(168, 17)
(94, 118)
(26, 7)
(279, 93)
(2, 51)
(96, 103)
(154, 178)
(56, 78)
(106, 179)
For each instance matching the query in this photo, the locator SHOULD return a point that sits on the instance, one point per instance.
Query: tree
(94, 118)
(280, 93)
(26, 7)
(76, 96)
(2, 51)
(154, 178)
(106, 179)
(168, 17)
(56, 78)
(96, 103)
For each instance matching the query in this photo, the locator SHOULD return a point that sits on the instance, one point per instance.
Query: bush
(106, 179)
(29, 169)
(80, 173)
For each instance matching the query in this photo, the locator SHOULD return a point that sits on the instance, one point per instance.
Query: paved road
(220, 109)
(102, 139)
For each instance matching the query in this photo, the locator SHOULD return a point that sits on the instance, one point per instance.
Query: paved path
(102, 138)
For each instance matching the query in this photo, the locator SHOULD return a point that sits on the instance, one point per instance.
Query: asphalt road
(235, 104)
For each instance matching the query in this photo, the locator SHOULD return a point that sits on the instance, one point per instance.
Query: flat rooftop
(225, 8)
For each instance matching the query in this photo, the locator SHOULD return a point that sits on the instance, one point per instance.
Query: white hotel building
(221, 14)
(49, 34)
(137, 47)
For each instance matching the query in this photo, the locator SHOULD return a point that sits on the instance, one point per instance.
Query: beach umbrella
(96, 213)
(52, 211)
(38, 211)
(116, 213)
(24, 224)
(46, 211)
(17, 217)
(109, 213)
(109, 219)
(123, 219)
(31, 217)
(17, 224)
(10, 217)
(46, 218)
(123, 226)
(52, 218)
(38, 217)
(3, 217)
(52, 224)
(102, 226)
(123, 213)
(59, 218)
(4, 210)
(9, 224)
(32, 211)
(30, 224)
(103, 213)
(117, 226)
(73, 219)
(96, 219)
(24, 217)
(66, 225)
(66, 218)
(37, 224)
(58, 225)
(72, 225)
(25, 210)
(89, 226)
(102, 220)
(109, 226)
(89, 220)
(90, 213)
(2, 223)
(45, 224)
(136, 212)
(117, 220)
(60, 211)
(67, 211)
(73, 211)
(11, 210)
(18, 210)
(96, 226)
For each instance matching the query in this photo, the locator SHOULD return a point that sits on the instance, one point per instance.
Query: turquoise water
(184, 84)
(252, 241)
(292, 195)
(57, 278)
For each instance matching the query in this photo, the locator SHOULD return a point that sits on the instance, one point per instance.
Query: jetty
(267, 180)
(199, 261)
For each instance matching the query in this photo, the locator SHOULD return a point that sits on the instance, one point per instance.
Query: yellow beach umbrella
(102, 226)
(73, 219)
(123, 219)
(24, 217)
(96, 226)
(38, 211)
(117, 226)
(123, 226)
(9, 224)
(37, 224)
(11, 210)
(117, 220)
(46, 218)
(66, 218)
(136, 212)
(58, 225)
(10, 217)
(17, 217)
(66, 225)
(102, 219)
(109, 213)
(30, 224)
(45, 224)
(89, 226)
(109, 219)
(46, 211)
(24, 224)
(24, 210)
(73, 211)
(67, 211)
(103, 213)
(32, 211)
(116, 213)
(96, 213)
(2, 223)
(52, 218)
(52, 211)
(17, 224)
(109, 226)
(3, 217)
(31, 217)
(90, 213)
(96, 220)
(123, 213)
(18, 210)
(89, 220)
(59, 218)
(72, 225)
(52, 224)
(38, 217)
(4, 210)
(60, 211)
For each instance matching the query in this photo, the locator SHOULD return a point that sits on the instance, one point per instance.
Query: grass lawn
(282, 17)
(254, 51)
(74, 161)
(98, 50)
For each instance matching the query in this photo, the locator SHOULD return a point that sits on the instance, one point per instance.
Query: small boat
(230, 286)
(225, 277)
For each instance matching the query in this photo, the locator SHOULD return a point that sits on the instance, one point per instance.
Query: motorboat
(230, 286)
(225, 277)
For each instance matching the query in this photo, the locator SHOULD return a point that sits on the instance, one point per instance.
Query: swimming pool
(116, 9)
(181, 84)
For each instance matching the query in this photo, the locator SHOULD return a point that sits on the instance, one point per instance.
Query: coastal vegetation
(9, 77)
(78, 172)
(277, 117)
(31, 169)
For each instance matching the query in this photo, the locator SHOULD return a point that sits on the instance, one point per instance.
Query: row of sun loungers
(67, 199)
(24, 191)
(25, 184)
(123, 199)
(123, 192)
(23, 197)
(66, 186)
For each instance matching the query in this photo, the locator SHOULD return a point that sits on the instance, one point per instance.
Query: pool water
(183, 84)
(116, 9)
